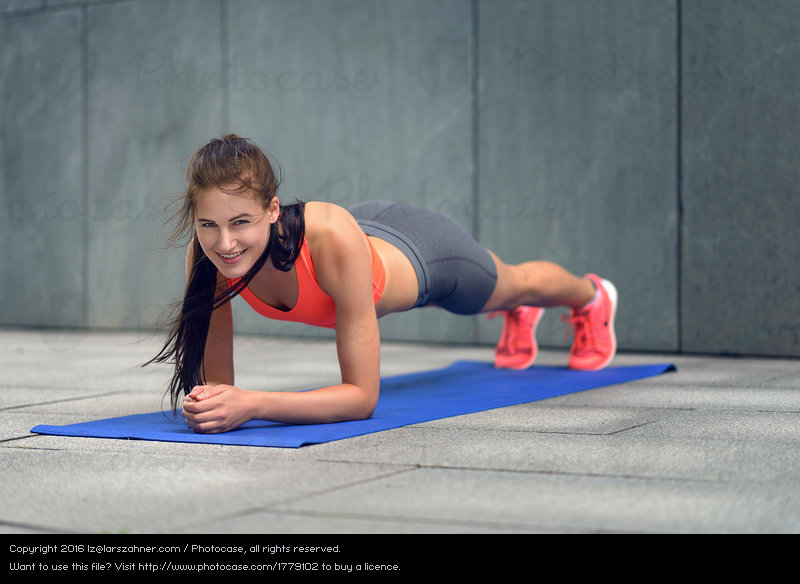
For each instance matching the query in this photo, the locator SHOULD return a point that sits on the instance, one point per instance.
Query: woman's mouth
(231, 258)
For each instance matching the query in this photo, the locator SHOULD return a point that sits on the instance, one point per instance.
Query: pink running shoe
(517, 347)
(595, 343)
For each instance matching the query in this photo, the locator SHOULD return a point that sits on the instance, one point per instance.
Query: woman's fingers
(209, 409)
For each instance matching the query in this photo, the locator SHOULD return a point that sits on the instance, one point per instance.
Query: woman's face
(233, 229)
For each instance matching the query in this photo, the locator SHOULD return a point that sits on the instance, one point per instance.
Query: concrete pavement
(711, 448)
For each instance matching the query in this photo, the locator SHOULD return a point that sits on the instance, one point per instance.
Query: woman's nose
(227, 241)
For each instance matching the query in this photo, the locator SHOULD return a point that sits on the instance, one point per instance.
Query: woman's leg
(524, 290)
(458, 274)
(537, 283)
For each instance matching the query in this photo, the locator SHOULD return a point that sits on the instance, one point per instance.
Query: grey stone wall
(740, 255)
(649, 141)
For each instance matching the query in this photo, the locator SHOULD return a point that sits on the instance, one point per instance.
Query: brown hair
(238, 167)
(233, 165)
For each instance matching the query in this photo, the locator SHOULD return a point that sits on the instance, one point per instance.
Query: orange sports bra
(313, 306)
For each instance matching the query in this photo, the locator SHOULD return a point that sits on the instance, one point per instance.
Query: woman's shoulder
(332, 232)
(324, 220)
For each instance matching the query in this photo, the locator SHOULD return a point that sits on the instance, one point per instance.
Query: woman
(323, 265)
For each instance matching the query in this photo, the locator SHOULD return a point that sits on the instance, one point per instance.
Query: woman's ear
(274, 210)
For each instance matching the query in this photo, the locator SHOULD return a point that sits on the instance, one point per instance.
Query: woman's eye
(241, 222)
(206, 225)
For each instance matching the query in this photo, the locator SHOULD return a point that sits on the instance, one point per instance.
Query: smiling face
(233, 229)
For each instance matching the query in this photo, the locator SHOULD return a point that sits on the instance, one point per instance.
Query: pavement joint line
(63, 400)
(380, 517)
(311, 495)
(628, 429)
(423, 466)
(22, 438)
(466, 428)
(273, 507)
(366, 517)
(405, 519)
(34, 527)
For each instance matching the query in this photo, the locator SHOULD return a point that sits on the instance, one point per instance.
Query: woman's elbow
(366, 407)
(365, 412)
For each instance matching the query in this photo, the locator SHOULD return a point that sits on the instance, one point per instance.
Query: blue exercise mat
(464, 387)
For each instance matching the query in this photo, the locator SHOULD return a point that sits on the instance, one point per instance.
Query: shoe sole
(613, 297)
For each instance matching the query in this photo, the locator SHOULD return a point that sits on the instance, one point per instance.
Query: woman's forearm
(221, 408)
(336, 403)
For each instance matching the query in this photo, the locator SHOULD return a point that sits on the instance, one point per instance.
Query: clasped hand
(211, 409)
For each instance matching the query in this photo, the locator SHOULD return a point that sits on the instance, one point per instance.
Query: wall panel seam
(475, 132)
(224, 64)
(84, 36)
(679, 171)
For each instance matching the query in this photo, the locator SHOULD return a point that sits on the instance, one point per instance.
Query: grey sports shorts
(453, 270)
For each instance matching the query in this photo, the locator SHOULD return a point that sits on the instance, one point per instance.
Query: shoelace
(585, 337)
(508, 338)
